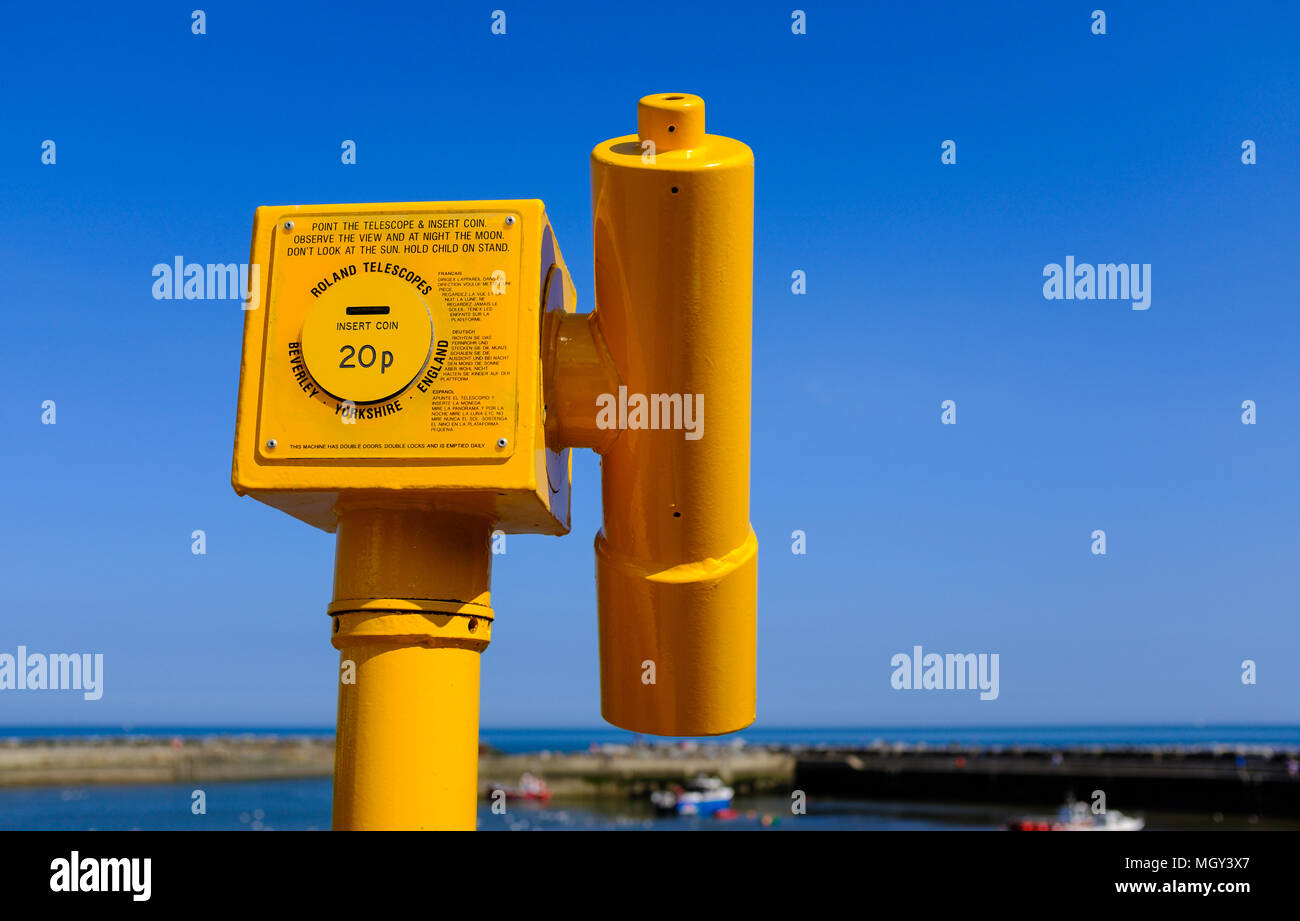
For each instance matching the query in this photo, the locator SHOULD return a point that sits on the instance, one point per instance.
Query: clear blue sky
(924, 284)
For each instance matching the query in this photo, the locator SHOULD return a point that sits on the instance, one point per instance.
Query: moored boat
(531, 788)
(702, 796)
(1078, 817)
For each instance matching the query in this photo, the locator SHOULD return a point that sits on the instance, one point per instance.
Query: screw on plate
(502, 442)
(270, 444)
(288, 225)
(510, 219)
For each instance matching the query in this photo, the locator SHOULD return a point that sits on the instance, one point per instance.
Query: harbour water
(304, 804)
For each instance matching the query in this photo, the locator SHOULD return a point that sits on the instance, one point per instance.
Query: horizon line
(131, 727)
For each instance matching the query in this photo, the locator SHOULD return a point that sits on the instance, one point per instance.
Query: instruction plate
(392, 336)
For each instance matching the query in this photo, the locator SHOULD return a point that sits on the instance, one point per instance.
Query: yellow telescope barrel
(676, 559)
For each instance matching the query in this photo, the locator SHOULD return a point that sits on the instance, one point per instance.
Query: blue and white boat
(703, 796)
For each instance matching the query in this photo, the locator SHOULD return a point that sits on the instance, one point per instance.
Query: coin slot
(367, 311)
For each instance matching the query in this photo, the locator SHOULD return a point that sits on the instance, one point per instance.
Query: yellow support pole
(411, 616)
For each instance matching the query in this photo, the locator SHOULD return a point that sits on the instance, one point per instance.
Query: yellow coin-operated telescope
(415, 379)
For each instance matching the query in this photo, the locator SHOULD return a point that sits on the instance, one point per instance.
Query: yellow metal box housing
(392, 353)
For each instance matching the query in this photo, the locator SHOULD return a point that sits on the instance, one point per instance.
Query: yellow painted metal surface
(676, 558)
(416, 392)
(412, 613)
(407, 750)
(324, 416)
(579, 370)
(413, 439)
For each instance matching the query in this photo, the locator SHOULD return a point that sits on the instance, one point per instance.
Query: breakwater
(1246, 780)
(146, 759)
(621, 772)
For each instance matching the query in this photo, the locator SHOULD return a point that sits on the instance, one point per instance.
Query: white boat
(1079, 817)
(702, 796)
